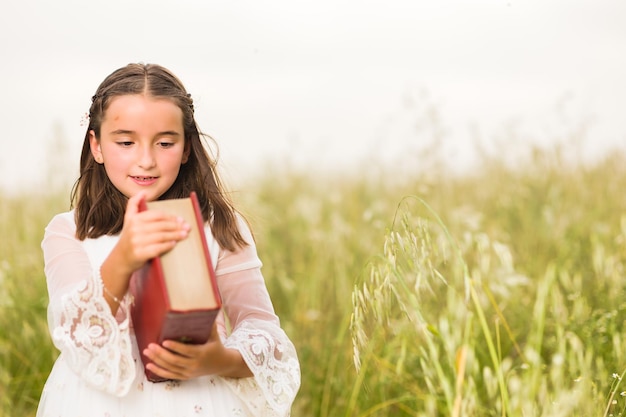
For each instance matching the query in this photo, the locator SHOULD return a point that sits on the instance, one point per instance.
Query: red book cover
(176, 295)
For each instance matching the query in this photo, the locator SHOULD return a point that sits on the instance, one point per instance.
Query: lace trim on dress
(272, 358)
(95, 345)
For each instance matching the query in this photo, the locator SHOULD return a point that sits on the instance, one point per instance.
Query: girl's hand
(147, 234)
(175, 360)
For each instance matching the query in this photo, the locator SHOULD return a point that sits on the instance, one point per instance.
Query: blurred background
(323, 84)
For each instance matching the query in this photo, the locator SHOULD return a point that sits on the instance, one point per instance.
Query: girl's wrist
(235, 367)
(114, 278)
(119, 263)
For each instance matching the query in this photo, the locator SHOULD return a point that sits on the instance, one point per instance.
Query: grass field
(497, 293)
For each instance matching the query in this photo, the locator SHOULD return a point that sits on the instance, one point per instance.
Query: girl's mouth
(144, 180)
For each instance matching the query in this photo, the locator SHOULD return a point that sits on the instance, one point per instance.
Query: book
(175, 295)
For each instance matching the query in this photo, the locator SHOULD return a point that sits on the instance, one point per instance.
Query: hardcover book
(176, 295)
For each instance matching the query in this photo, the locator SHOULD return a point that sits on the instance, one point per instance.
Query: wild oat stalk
(418, 275)
(389, 299)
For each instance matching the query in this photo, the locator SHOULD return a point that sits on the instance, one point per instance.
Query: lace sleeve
(95, 344)
(271, 357)
(257, 334)
(98, 348)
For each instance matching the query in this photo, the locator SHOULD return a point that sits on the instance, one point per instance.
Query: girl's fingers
(150, 233)
(156, 221)
(151, 220)
(172, 364)
(152, 251)
(157, 227)
(132, 206)
(161, 234)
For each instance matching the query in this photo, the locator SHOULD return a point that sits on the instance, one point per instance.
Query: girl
(142, 142)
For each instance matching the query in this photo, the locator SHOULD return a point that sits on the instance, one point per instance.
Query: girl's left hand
(180, 361)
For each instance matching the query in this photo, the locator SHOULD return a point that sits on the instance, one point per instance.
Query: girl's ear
(94, 145)
(186, 154)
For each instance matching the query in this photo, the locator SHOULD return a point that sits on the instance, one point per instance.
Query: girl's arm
(256, 333)
(94, 343)
(87, 284)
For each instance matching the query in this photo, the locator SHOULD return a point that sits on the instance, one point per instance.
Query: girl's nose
(146, 157)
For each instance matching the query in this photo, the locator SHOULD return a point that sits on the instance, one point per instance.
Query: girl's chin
(148, 195)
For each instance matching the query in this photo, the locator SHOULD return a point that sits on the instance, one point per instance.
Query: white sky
(320, 83)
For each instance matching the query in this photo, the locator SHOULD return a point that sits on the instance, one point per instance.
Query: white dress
(99, 371)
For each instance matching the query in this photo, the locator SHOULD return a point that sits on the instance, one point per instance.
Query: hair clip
(188, 95)
(84, 120)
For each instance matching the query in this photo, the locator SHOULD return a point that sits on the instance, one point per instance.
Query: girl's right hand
(147, 234)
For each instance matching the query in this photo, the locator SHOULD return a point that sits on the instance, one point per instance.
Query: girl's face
(141, 144)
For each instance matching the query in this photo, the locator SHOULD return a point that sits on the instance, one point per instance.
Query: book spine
(190, 327)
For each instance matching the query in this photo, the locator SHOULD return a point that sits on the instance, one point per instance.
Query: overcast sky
(322, 83)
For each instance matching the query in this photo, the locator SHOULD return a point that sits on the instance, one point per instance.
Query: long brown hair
(99, 206)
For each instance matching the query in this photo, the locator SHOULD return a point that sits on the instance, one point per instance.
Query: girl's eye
(125, 143)
(166, 144)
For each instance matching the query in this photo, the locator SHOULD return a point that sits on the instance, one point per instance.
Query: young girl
(143, 143)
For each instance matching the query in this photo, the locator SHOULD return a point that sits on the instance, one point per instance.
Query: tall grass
(26, 352)
(446, 315)
(422, 294)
